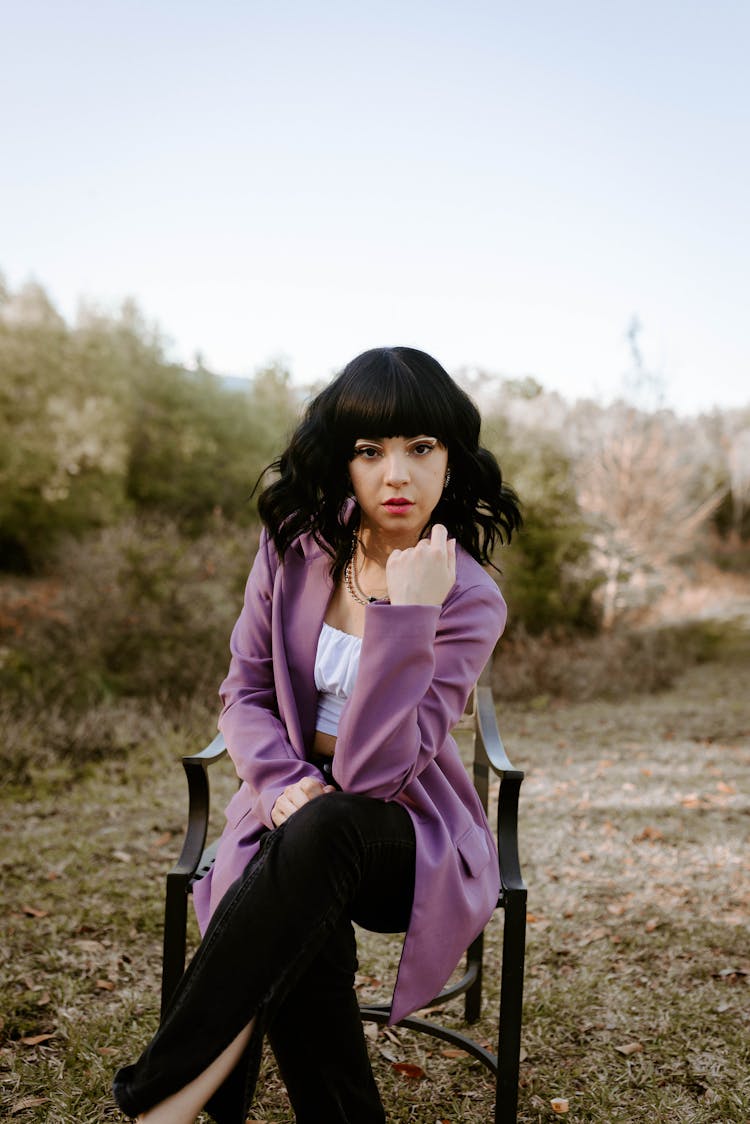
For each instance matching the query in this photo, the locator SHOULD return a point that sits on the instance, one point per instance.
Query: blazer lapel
(307, 590)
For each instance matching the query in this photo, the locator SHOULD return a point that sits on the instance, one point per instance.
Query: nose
(396, 469)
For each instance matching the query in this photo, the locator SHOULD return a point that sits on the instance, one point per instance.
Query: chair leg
(473, 1000)
(511, 1008)
(175, 937)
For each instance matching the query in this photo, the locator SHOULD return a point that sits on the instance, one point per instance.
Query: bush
(547, 577)
(140, 612)
(197, 447)
(611, 665)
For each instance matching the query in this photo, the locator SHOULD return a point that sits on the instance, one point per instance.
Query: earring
(447, 480)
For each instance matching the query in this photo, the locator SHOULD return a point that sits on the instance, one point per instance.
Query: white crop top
(336, 666)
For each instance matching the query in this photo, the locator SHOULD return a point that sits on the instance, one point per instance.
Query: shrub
(611, 665)
(141, 611)
(547, 577)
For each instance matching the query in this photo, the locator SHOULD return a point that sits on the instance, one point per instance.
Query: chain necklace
(350, 579)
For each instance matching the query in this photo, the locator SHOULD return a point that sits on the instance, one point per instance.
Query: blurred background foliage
(127, 525)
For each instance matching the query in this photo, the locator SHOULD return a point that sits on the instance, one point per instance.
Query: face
(398, 482)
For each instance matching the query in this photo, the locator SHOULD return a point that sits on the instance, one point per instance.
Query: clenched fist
(295, 796)
(424, 574)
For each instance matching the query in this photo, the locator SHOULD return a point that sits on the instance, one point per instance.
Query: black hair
(386, 392)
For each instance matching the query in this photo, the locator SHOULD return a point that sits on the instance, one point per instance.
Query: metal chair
(488, 756)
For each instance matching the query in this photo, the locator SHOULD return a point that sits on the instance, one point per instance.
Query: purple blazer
(417, 667)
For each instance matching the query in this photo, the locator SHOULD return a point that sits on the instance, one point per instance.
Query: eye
(367, 452)
(423, 448)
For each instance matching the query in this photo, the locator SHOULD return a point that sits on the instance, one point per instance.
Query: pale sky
(504, 185)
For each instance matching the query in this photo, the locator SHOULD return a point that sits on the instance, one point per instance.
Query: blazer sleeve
(257, 739)
(418, 665)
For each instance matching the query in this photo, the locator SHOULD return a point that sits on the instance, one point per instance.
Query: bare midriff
(324, 744)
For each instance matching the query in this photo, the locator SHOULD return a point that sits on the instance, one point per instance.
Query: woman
(367, 620)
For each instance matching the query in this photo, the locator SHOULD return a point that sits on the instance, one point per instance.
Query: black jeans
(281, 947)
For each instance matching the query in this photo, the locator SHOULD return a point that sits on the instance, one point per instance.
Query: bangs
(383, 397)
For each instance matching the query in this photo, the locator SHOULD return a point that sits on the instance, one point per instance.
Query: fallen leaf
(692, 800)
(122, 856)
(594, 935)
(27, 1102)
(652, 924)
(163, 838)
(106, 1051)
(105, 985)
(36, 1039)
(43, 999)
(728, 974)
(648, 833)
(89, 946)
(629, 1048)
(30, 911)
(408, 1069)
(559, 1105)
(450, 1052)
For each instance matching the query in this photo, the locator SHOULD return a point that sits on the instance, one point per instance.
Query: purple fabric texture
(417, 668)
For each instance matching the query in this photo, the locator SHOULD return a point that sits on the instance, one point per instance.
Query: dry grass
(634, 840)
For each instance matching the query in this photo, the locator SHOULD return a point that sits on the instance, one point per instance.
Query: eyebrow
(409, 440)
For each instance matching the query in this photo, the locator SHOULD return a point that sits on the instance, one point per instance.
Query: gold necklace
(350, 579)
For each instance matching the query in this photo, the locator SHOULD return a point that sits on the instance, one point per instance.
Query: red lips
(398, 503)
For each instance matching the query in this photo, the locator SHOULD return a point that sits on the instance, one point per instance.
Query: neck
(374, 549)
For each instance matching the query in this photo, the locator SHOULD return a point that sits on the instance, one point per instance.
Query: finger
(309, 785)
(439, 536)
(278, 813)
(298, 798)
(452, 557)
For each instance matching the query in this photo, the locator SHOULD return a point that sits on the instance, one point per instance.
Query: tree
(62, 431)
(646, 494)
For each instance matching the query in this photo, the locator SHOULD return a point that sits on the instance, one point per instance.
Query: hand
(295, 796)
(424, 574)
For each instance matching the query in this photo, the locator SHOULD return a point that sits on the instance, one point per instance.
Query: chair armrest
(196, 767)
(491, 744)
(489, 737)
(213, 752)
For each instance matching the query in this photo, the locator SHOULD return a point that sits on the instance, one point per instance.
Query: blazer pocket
(238, 807)
(473, 849)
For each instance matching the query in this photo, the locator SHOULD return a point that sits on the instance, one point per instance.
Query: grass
(634, 844)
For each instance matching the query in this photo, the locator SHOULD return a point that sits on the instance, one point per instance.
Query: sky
(504, 185)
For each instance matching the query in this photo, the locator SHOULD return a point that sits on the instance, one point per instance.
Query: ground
(633, 836)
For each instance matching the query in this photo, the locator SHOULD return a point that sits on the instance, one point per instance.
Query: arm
(257, 740)
(417, 668)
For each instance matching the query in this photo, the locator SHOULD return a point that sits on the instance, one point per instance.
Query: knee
(325, 824)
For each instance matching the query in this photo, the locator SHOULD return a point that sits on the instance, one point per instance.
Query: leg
(267, 930)
(316, 1032)
(319, 1043)
(183, 1106)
